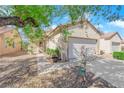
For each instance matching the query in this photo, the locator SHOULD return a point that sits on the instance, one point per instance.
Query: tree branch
(16, 21)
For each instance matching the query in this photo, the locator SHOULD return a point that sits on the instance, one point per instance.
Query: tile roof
(108, 35)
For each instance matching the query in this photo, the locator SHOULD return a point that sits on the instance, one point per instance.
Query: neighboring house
(122, 45)
(9, 34)
(82, 33)
(110, 42)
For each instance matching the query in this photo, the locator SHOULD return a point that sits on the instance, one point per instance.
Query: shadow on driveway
(14, 71)
(110, 70)
(23, 72)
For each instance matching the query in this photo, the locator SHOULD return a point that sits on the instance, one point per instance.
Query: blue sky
(105, 26)
(114, 26)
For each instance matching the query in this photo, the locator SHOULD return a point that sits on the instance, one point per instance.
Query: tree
(34, 19)
(41, 15)
(79, 12)
(6, 11)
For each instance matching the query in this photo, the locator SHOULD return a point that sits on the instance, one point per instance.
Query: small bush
(53, 52)
(118, 55)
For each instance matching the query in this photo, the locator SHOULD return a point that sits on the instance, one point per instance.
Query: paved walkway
(110, 70)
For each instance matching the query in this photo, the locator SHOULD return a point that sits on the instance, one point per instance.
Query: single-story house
(110, 42)
(82, 33)
(9, 35)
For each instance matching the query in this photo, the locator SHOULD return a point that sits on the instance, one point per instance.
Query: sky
(104, 26)
(114, 26)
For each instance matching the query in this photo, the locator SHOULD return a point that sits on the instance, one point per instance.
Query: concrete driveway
(110, 70)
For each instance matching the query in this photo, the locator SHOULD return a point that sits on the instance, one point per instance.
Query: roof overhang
(111, 36)
(60, 27)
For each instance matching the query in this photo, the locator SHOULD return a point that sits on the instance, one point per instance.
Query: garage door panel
(76, 44)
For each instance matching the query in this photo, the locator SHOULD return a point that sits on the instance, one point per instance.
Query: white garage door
(75, 44)
(115, 46)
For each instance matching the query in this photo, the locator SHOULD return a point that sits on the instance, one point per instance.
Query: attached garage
(75, 44)
(82, 33)
(115, 46)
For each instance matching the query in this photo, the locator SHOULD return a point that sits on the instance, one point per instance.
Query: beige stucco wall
(9, 49)
(57, 42)
(84, 31)
(53, 42)
(105, 46)
(116, 38)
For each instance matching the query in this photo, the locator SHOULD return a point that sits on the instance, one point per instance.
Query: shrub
(53, 52)
(118, 55)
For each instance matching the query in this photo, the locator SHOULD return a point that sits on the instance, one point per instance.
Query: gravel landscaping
(35, 71)
(66, 78)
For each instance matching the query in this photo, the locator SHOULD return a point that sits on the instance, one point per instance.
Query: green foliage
(24, 46)
(80, 12)
(6, 10)
(53, 52)
(66, 33)
(35, 35)
(41, 14)
(9, 41)
(118, 55)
